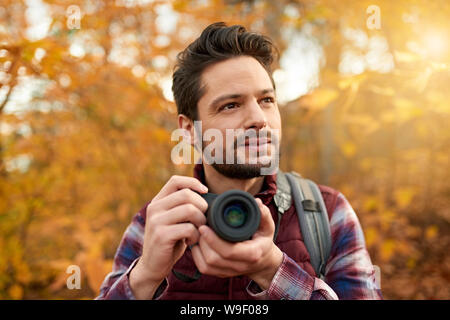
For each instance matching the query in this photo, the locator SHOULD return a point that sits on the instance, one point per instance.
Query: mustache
(253, 137)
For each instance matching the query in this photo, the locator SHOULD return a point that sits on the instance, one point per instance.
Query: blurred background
(86, 115)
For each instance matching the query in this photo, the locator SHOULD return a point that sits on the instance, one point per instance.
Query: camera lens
(235, 215)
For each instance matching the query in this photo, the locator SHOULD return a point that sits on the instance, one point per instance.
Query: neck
(218, 183)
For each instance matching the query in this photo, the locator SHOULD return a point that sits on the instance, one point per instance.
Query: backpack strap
(282, 198)
(312, 216)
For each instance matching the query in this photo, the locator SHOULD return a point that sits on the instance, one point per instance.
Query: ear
(186, 123)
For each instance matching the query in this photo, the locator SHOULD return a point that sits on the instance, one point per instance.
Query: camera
(234, 215)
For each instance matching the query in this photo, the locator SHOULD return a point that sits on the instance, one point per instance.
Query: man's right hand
(172, 220)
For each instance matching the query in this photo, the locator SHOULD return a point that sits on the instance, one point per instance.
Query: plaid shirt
(349, 271)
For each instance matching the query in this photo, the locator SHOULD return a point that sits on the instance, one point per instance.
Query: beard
(244, 171)
(240, 171)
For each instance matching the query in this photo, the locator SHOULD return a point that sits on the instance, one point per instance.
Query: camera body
(234, 215)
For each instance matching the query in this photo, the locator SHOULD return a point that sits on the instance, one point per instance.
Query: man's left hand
(258, 258)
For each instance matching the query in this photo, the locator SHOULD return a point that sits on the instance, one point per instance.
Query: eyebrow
(224, 97)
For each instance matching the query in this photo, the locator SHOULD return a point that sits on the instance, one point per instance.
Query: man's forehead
(233, 68)
(236, 76)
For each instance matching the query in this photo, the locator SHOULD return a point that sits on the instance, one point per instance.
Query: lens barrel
(234, 215)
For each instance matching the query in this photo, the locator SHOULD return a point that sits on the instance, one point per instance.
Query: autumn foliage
(86, 120)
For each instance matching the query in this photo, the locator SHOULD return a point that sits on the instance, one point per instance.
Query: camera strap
(312, 216)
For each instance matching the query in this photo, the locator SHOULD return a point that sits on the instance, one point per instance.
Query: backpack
(312, 215)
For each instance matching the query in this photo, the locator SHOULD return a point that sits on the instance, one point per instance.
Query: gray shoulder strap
(282, 198)
(312, 216)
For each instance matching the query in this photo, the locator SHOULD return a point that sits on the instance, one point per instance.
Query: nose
(255, 117)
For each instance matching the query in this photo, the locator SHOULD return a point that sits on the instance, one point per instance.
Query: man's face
(239, 95)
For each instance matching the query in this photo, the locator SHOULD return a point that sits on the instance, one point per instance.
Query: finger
(180, 231)
(204, 268)
(245, 251)
(176, 183)
(214, 259)
(180, 214)
(180, 197)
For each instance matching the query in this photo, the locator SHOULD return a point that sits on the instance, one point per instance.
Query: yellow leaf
(404, 248)
(388, 117)
(422, 130)
(15, 292)
(371, 236)
(405, 56)
(352, 81)
(161, 135)
(387, 249)
(406, 109)
(387, 217)
(431, 232)
(23, 274)
(404, 196)
(440, 66)
(348, 149)
(123, 210)
(411, 263)
(385, 91)
(96, 267)
(403, 103)
(179, 5)
(365, 164)
(370, 204)
(320, 98)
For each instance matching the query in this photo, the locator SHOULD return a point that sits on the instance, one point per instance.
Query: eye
(268, 100)
(228, 106)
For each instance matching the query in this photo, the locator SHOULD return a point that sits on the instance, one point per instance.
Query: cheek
(275, 122)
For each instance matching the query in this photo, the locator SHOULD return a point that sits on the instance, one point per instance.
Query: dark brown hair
(217, 42)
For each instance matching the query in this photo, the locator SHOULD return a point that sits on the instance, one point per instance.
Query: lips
(256, 142)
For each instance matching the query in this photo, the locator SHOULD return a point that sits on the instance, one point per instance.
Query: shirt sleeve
(349, 272)
(116, 285)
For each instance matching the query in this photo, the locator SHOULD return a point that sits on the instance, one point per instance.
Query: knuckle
(203, 268)
(174, 179)
(227, 254)
(151, 221)
(185, 193)
(255, 255)
(194, 237)
(150, 212)
(157, 234)
(204, 205)
(211, 260)
(192, 229)
(190, 209)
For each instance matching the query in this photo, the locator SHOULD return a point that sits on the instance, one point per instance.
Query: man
(224, 80)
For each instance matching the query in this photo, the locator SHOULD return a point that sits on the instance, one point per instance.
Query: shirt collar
(266, 193)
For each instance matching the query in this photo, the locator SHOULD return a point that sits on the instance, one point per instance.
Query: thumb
(267, 225)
